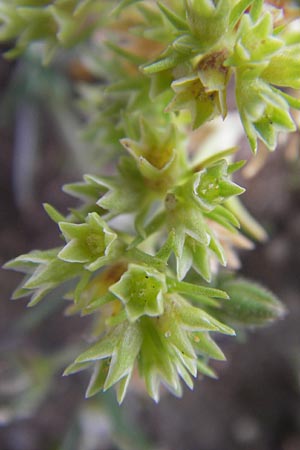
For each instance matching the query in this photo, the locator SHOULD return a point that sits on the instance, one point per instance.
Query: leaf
(256, 9)
(196, 319)
(207, 346)
(292, 101)
(124, 355)
(250, 304)
(205, 369)
(283, 69)
(39, 294)
(122, 387)
(103, 349)
(173, 18)
(97, 379)
(53, 213)
(237, 11)
(248, 223)
(75, 368)
(194, 289)
(167, 62)
(131, 57)
(54, 273)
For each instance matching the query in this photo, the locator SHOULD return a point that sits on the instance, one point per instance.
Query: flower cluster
(141, 254)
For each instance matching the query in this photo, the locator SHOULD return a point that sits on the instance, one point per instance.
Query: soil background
(255, 403)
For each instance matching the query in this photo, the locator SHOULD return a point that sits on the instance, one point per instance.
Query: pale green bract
(142, 252)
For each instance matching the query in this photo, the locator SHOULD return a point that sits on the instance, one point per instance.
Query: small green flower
(156, 155)
(264, 110)
(164, 349)
(262, 59)
(142, 292)
(190, 94)
(91, 243)
(168, 350)
(213, 186)
(190, 206)
(255, 42)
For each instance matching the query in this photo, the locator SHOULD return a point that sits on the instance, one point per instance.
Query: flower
(142, 290)
(91, 243)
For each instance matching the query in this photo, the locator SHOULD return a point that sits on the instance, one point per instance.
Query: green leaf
(122, 387)
(256, 9)
(195, 319)
(103, 349)
(54, 273)
(207, 346)
(97, 379)
(53, 213)
(173, 18)
(250, 304)
(248, 223)
(205, 369)
(237, 12)
(164, 63)
(283, 68)
(124, 355)
(75, 368)
(194, 289)
(28, 262)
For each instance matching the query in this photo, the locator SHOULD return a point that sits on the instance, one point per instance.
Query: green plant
(141, 254)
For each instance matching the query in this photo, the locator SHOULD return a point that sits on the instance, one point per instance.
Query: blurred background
(255, 403)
